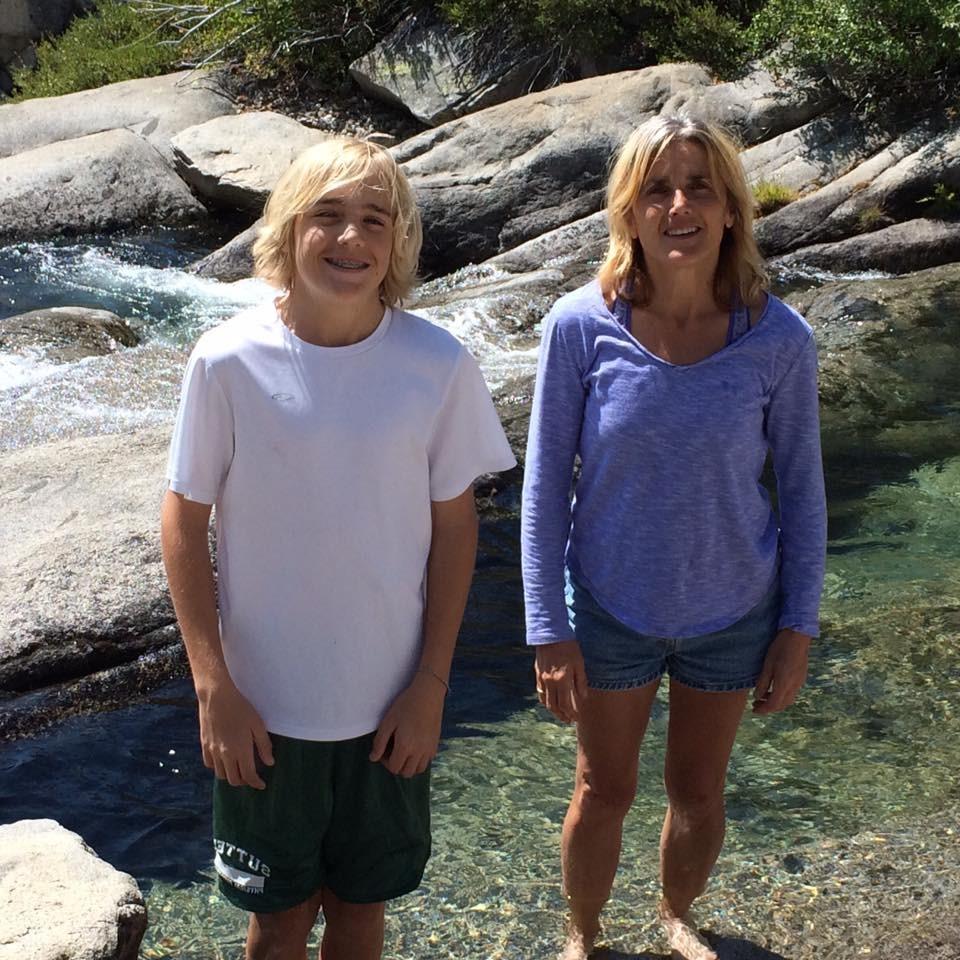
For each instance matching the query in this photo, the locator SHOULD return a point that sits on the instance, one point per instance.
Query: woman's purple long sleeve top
(670, 527)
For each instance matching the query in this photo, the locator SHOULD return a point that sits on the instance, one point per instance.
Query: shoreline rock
(61, 901)
(154, 108)
(122, 182)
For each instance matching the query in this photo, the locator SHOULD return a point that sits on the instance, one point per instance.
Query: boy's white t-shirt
(322, 463)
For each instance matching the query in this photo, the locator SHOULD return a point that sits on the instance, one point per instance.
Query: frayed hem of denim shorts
(717, 687)
(624, 684)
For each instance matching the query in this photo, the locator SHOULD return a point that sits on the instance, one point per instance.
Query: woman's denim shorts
(616, 657)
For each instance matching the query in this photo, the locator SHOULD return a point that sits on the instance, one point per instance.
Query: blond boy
(338, 437)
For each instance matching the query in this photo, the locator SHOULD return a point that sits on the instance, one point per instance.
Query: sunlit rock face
(89, 910)
(122, 182)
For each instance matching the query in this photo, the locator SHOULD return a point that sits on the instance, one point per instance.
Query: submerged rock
(61, 901)
(121, 181)
(65, 334)
(889, 355)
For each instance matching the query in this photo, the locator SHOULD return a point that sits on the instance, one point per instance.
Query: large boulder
(101, 182)
(492, 180)
(65, 334)
(438, 72)
(816, 153)
(900, 248)
(61, 901)
(885, 188)
(582, 241)
(758, 106)
(489, 181)
(232, 261)
(82, 586)
(235, 160)
(155, 107)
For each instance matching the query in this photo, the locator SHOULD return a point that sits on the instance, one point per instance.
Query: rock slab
(439, 73)
(156, 108)
(234, 161)
(492, 180)
(105, 181)
(61, 901)
(81, 578)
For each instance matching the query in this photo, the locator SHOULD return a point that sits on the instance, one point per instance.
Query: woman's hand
(561, 679)
(784, 672)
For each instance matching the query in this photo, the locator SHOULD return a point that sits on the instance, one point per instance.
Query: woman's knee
(609, 797)
(697, 797)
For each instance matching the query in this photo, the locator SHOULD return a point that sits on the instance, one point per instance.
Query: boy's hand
(231, 735)
(409, 734)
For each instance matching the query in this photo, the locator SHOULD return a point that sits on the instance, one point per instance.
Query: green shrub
(577, 33)
(942, 204)
(703, 33)
(769, 195)
(113, 44)
(313, 39)
(876, 52)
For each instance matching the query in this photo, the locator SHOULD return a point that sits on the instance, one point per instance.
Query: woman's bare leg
(609, 733)
(701, 733)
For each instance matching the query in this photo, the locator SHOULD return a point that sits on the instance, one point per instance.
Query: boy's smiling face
(342, 244)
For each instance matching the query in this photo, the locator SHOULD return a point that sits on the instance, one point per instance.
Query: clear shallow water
(872, 742)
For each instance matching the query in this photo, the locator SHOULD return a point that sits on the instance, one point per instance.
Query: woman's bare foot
(577, 947)
(683, 939)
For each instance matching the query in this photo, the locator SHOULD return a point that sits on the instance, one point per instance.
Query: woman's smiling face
(681, 212)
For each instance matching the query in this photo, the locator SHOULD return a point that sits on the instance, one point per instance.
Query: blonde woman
(671, 376)
(338, 437)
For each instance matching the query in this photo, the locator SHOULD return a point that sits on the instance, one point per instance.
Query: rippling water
(873, 741)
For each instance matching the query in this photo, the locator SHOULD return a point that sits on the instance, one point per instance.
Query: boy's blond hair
(327, 166)
(740, 269)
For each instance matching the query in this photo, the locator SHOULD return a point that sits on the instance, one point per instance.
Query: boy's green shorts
(327, 818)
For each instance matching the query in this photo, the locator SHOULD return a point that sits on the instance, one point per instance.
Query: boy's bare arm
(230, 728)
(413, 720)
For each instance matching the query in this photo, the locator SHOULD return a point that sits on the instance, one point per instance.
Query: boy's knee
(282, 935)
(342, 913)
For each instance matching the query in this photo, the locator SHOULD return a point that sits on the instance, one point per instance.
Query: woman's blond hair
(741, 273)
(327, 166)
